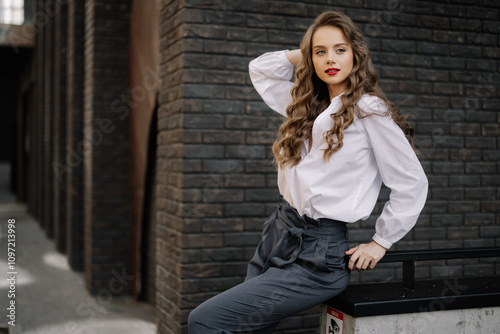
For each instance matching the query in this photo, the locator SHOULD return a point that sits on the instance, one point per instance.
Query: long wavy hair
(310, 95)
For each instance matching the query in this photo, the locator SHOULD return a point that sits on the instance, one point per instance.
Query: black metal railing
(408, 258)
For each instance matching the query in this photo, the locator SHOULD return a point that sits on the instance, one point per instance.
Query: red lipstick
(332, 71)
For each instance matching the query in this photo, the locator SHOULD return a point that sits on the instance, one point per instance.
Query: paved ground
(49, 297)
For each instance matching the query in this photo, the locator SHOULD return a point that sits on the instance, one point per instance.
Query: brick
(437, 180)
(202, 240)
(398, 46)
(471, 243)
(246, 151)
(202, 91)
(214, 193)
(265, 21)
(450, 37)
(491, 27)
(298, 23)
(200, 270)
(224, 77)
(479, 219)
(435, 206)
(490, 130)
(430, 233)
(450, 10)
(448, 63)
(465, 25)
(465, 180)
(462, 232)
(479, 142)
(447, 193)
(448, 167)
(261, 195)
(414, 87)
(244, 210)
(490, 180)
(385, 58)
(425, 21)
(482, 14)
(438, 244)
(234, 48)
(463, 207)
(245, 122)
(246, 180)
(203, 121)
(491, 155)
(490, 231)
(223, 137)
(483, 193)
(397, 73)
(242, 239)
(465, 129)
(222, 106)
(431, 75)
(429, 48)
(222, 225)
(480, 167)
(415, 60)
(465, 51)
(483, 39)
(448, 89)
(414, 34)
(222, 166)
(203, 151)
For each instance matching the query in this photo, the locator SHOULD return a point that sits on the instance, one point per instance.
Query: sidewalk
(49, 297)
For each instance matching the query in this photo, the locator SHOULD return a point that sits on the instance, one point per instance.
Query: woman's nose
(330, 59)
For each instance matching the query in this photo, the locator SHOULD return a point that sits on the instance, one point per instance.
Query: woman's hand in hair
(293, 56)
(365, 256)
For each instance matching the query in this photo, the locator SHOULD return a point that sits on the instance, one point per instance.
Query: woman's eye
(320, 52)
(341, 50)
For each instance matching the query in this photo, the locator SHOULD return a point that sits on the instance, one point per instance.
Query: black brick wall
(59, 168)
(106, 191)
(216, 181)
(48, 108)
(74, 139)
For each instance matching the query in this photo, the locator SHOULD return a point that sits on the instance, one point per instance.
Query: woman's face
(332, 58)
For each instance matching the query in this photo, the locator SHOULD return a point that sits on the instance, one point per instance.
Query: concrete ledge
(362, 300)
(477, 321)
(452, 305)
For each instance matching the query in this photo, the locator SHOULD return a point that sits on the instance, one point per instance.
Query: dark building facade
(147, 155)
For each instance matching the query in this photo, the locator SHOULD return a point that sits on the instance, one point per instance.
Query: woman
(341, 138)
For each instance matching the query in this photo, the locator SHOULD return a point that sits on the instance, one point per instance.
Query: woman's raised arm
(293, 56)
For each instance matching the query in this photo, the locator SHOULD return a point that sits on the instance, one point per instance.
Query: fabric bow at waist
(291, 229)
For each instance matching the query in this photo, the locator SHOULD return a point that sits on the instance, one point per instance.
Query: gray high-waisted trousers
(298, 264)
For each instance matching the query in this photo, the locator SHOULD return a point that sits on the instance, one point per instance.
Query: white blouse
(346, 187)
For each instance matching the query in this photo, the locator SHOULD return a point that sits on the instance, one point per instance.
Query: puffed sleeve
(400, 171)
(271, 74)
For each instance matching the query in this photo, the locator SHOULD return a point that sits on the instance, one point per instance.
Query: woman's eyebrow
(336, 45)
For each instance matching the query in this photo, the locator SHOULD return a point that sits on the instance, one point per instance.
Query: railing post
(409, 275)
